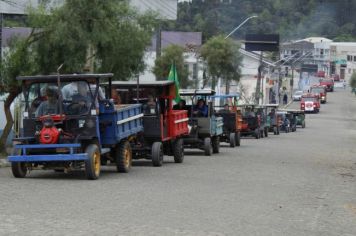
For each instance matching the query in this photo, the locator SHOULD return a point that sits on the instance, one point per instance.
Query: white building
(343, 58)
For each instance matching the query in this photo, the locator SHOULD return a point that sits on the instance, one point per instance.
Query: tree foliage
(353, 81)
(223, 59)
(172, 54)
(110, 34)
(290, 19)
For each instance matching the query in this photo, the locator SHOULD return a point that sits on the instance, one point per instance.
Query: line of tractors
(78, 122)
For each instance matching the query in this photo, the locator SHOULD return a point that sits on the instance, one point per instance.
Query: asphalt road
(300, 183)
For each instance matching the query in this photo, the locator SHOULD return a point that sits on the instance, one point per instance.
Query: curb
(4, 163)
(288, 104)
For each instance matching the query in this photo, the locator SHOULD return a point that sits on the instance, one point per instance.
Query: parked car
(297, 95)
(328, 83)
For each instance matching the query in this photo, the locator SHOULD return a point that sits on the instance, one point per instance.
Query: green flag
(173, 76)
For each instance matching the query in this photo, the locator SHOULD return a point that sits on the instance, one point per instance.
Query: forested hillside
(292, 19)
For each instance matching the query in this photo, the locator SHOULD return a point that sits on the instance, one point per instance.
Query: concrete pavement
(300, 183)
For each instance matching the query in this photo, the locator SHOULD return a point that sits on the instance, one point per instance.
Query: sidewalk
(4, 162)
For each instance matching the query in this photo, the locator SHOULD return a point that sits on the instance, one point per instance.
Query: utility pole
(1, 26)
(259, 78)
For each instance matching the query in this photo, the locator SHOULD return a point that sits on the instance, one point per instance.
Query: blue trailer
(69, 125)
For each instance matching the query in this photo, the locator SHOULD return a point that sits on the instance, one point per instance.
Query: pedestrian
(285, 98)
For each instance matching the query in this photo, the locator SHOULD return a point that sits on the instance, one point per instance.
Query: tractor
(68, 125)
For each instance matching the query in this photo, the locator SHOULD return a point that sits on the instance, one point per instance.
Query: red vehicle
(336, 77)
(321, 74)
(164, 128)
(310, 103)
(328, 83)
(319, 91)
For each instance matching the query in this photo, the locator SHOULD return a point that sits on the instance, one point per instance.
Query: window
(321, 51)
(349, 58)
(354, 58)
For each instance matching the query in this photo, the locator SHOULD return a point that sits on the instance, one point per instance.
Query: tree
(109, 34)
(353, 83)
(18, 60)
(223, 60)
(172, 54)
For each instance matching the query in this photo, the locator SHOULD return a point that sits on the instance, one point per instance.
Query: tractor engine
(49, 133)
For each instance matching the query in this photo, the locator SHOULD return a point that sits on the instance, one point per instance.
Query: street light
(233, 31)
(247, 19)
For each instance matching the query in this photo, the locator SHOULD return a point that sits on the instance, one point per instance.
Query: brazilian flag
(173, 76)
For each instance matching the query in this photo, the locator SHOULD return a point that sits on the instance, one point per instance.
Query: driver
(81, 101)
(50, 106)
(201, 109)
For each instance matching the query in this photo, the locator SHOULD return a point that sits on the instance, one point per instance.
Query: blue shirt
(202, 110)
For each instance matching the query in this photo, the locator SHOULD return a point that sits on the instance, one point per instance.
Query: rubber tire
(120, 150)
(90, 172)
(275, 131)
(266, 132)
(216, 144)
(207, 147)
(238, 139)
(232, 139)
(257, 134)
(19, 169)
(157, 154)
(178, 151)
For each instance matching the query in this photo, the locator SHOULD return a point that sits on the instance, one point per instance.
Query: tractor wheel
(157, 154)
(92, 166)
(238, 138)
(216, 144)
(275, 131)
(207, 146)
(123, 157)
(178, 151)
(19, 169)
(266, 132)
(232, 139)
(257, 134)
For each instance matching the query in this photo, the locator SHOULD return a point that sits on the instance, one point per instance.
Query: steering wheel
(79, 108)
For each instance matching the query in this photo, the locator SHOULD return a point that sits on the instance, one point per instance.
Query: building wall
(344, 52)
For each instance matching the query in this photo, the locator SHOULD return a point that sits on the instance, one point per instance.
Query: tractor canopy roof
(196, 92)
(222, 96)
(64, 78)
(269, 105)
(295, 111)
(142, 84)
(248, 105)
